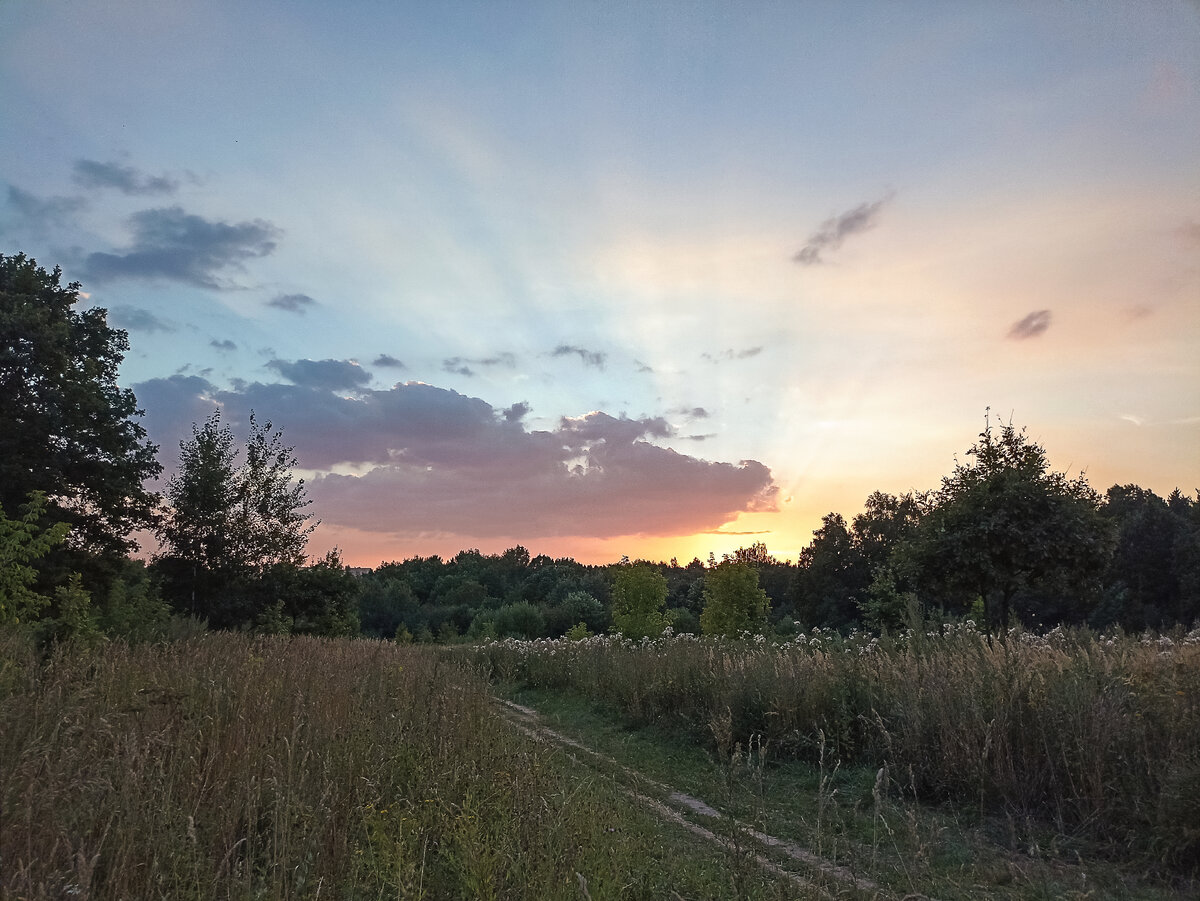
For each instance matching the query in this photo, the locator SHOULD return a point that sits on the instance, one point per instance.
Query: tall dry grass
(1097, 736)
(237, 767)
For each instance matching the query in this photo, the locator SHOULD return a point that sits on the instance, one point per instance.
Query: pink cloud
(436, 461)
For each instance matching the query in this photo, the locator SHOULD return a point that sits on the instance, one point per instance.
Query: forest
(1003, 540)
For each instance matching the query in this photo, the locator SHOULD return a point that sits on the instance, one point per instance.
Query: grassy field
(948, 765)
(235, 767)
(1075, 742)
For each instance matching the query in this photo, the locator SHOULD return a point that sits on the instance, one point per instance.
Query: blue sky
(648, 279)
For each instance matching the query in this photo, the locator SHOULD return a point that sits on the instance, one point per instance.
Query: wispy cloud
(172, 244)
(224, 345)
(329, 375)
(42, 211)
(731, 354)
(833, 232)
(462, 365)
(293, 303)
(126, 179)
(135, 319)
(1030, 326)
(589, 357)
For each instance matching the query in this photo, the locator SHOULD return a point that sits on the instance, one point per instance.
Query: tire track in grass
(673, 805)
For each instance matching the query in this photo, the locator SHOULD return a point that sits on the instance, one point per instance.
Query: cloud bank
(330, 375)
(434, 461)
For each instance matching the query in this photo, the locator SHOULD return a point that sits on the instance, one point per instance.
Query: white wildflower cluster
(828, 641)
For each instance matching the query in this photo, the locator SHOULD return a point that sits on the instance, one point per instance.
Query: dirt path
(827, 880)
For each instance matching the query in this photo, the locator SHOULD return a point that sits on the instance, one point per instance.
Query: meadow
(229, 766)
(947, 764)
(1081, 735)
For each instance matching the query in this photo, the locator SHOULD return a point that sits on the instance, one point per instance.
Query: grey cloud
(330, 375)
(642, 367)
(43, 210)
(462, 365)
(293, 303)
(135, 319)
(388, 361)
(732, 354)
(439, 461)
(597, 426)
(517, 412)
(589, 357)
(834, 231)
(1031, 326)
(126, 179)
(172, 405)
(173, 244)
(224, 345)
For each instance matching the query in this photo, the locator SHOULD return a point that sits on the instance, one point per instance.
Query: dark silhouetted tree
(67, 429)
(1004, 523)
(227, 525)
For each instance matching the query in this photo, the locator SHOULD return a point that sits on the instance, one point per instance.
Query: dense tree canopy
(228, 526)
(69, 431)
(1006, 523)
(639, 601)
(733, 602)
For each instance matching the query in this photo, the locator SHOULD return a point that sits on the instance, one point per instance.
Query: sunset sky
(600, 278)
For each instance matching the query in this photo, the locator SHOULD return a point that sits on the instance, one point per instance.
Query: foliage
(1005, 524)
(519, 620)
(733, 602)
(833, 577)
(1153, 578)
(228, 526)
(639, 598)
(22, 542)
(321, 599)
(133, 607)
(75, 618)
(69, 431)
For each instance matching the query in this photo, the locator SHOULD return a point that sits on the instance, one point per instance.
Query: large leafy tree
(1003, 524)
(1152, 580)
(733, 602)
(639, 598)
(228, 525)
(833, 575)
(68, 429)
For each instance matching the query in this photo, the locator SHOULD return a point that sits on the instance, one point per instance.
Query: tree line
(1004, 538)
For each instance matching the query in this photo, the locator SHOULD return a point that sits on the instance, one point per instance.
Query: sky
(650, 279)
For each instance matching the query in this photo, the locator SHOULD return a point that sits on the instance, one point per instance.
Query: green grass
(1068, 744)
(239, 767)
(905, 846)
